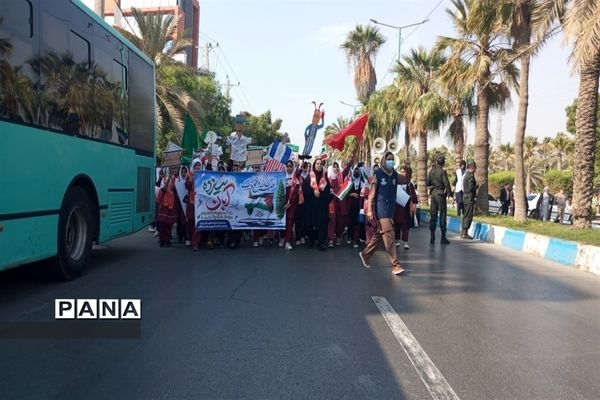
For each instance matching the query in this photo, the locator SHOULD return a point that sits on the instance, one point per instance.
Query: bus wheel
(75, 226)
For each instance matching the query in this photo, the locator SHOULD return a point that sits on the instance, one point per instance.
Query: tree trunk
(422, 168)
(559, 163)
(585, 143)
(522, 188)
(482, 146)
(407, 140)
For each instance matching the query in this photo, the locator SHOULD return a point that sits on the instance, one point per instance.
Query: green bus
(77, 134)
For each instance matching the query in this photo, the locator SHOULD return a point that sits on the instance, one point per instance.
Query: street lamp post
(351, 105)
(399, 31)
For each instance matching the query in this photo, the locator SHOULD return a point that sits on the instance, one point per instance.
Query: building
(118, 12)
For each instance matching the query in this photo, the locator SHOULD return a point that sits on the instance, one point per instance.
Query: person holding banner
(191, 232)
(404, 215)
(381, 206)
(317, 194)
(337, 207)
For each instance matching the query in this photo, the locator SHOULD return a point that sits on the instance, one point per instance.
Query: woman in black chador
(317, 195)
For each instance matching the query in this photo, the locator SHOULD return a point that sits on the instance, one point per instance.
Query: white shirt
(238, 146)
(459, 181)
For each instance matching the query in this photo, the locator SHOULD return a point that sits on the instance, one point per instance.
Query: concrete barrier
(572, 254)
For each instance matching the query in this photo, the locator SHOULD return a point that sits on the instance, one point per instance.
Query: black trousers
(468, 215)
(438, 205)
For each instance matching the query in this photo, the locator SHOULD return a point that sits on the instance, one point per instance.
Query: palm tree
(461, 105)
(425, 108)
(507, 152)
(581, 28)
(533, 163)
(561, 144)
(481, 37)
(158, 38)
(361, 47)
(385, 114)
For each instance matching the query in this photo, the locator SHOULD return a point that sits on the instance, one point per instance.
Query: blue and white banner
(239, 200)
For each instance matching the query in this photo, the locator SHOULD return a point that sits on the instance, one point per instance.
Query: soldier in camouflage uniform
(470, 191)
(439, 186)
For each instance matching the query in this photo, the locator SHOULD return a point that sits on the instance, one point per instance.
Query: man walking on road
(470, 188)
(439, 186)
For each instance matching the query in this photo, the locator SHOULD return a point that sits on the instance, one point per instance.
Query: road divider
(565, 252)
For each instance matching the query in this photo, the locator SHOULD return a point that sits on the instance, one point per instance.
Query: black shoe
(168, 244)
(432, 239)
(161, 244)
(322, 247)
(444, 240)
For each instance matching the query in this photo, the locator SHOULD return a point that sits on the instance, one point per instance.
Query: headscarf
(322, 180)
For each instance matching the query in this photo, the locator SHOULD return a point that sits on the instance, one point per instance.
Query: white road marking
(432, 378)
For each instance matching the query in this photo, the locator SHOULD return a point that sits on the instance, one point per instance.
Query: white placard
(402, 197)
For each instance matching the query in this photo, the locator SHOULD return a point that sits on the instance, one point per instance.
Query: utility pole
(228, 86)
(207, 48)
(99, 8)
(399, 32)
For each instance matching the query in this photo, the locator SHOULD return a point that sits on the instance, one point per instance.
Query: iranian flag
(344, 190)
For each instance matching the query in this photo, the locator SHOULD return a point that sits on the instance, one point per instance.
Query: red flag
(356, 128)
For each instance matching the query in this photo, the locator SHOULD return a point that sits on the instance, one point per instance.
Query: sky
(286, 54)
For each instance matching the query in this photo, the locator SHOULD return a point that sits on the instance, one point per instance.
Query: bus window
(79, 49)
(141, 97)
(17, 89)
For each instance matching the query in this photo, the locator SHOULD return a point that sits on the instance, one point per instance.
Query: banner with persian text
(239, 200)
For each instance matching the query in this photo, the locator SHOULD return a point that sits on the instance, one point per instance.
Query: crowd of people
(315, 216)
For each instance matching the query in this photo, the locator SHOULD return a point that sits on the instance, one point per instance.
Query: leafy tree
(262, 129)
(556, 179)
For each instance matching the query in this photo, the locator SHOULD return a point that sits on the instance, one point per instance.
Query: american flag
(273, 166)
(277, 155)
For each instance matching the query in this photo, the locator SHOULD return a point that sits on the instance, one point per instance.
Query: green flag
(189, 141)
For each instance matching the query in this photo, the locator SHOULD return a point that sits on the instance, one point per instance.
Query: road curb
(565, 252)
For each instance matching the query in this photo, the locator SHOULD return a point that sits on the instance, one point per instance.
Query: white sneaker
(188, 243)
(331, 243)
(397, 243)
(338, 242)
(302, 241)
(298, 242)
(155, 233)
(355, 245)
(281, 242)
(151, 229)
(406, 247)
(260, 242)
(288, 246)
(255, 244)
(362, 258)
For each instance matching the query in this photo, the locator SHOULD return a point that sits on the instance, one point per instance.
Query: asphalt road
(270, 324)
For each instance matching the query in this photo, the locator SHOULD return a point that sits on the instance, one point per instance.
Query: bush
(556, 179)
(498, 179)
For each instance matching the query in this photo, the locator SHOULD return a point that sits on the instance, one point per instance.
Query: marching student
(354, 202)
(167, 211)
(403, 216)
(317, 194)
(301, 175)
(292, 186)
(337, 208)
(191, 231)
